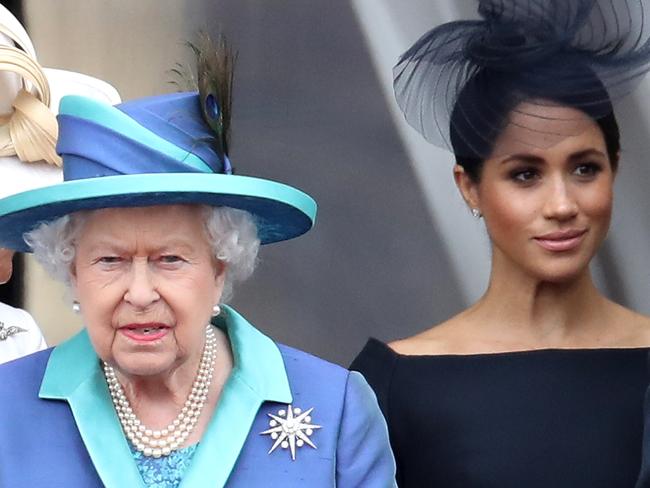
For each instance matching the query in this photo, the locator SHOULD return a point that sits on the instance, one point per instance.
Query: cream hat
(29, 101)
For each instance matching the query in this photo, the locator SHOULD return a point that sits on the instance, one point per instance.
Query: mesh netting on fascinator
(463, 82)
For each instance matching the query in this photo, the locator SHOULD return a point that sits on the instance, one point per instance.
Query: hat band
(105, 157)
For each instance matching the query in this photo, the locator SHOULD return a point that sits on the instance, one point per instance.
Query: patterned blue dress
(165, 471)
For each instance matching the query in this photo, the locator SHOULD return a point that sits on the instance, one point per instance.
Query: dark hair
(483, 105)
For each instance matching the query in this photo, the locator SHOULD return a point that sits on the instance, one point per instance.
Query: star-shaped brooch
(7, 332)
(290, 429)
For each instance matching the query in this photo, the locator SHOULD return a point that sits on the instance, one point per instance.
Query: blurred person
(28, 132)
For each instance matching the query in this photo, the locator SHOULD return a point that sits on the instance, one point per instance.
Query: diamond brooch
(291, 428)
(7, 332)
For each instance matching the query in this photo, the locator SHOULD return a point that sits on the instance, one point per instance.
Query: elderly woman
(166, 386)
(27, 157)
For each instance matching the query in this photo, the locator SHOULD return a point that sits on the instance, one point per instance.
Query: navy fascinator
(459, 82)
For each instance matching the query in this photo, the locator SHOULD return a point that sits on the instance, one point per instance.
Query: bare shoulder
(633, 327)
(444, 338)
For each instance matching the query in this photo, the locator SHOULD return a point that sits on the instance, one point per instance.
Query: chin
(565, 271)
(143, 364)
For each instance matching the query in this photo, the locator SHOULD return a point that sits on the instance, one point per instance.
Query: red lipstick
(144, 333)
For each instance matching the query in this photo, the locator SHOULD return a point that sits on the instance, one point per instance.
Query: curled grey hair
(232, 234)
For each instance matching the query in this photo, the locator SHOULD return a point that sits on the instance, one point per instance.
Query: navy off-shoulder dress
(547, 418)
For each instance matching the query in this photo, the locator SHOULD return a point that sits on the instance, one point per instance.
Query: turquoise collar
(74, 375)
(258, 361)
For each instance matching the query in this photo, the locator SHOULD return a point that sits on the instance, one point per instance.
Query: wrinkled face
(546, 200)
(146, 281)
(6, 264)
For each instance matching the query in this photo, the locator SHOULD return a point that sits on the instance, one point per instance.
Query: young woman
(541, 382)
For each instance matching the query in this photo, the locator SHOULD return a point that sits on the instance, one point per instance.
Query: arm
(364, 457)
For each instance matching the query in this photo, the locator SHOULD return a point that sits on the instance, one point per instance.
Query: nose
(560, 202)
(141, 291)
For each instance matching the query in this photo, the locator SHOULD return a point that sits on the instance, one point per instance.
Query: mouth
(145, 332)
(561, 241)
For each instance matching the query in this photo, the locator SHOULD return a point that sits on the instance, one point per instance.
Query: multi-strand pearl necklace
(162, 442)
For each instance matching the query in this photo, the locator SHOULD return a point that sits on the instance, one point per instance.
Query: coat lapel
(258, 376)
(74, 375)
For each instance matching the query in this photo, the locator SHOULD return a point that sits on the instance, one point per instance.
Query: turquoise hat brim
(280, 211)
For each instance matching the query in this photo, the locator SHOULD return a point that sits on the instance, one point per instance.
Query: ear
(220, 269)
(468, 188)
(221, 276)
(616, 164)
(73, 274)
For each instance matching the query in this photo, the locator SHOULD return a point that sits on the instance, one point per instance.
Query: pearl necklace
(162, 442)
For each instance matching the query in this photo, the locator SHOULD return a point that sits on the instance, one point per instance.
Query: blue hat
(146, 152)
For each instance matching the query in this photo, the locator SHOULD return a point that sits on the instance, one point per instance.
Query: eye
(109, 260)
(524, 175)
(587, 170)
(170, 261)
(170, 258)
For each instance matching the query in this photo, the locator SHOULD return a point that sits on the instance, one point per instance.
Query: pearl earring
(76, 307)
(216, 310)
(476, 213)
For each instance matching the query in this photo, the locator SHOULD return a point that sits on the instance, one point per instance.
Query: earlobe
(466, 186)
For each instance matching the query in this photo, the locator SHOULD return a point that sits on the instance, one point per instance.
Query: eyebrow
(108, 245)
(587, 152)
(181, 244)
(532, 159)
(526, 158)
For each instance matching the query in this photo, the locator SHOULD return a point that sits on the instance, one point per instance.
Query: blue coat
(58, 427)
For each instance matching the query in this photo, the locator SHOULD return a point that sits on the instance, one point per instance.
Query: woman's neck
(538, 311)
(519, 312)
